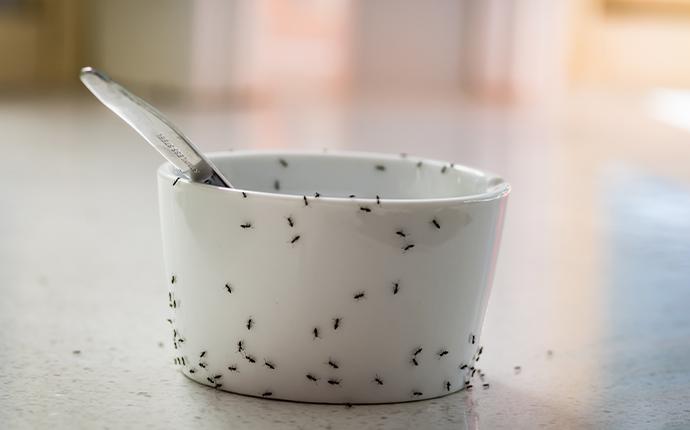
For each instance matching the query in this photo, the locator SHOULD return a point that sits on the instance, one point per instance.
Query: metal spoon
(154, 127)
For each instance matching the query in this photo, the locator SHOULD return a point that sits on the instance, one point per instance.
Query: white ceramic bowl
(277, 293)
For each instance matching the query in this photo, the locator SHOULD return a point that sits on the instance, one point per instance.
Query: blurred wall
(39, 42)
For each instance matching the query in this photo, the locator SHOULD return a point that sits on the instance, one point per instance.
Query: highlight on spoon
(154, 127)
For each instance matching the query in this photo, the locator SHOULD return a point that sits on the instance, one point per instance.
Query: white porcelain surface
(331, 297)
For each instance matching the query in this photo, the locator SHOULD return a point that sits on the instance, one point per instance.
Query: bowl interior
(353, 174)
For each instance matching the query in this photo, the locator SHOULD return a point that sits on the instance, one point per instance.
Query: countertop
(591, 297)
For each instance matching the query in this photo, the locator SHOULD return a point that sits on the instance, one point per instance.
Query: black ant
(333, 364)
(250, 358)
(364, 209)
(228, 287)
(481, 349)
(232, 368)
(401, 233)
(472, 338)
(192, 371)
(378, 201)
(306, 203)
(419, 164)
(246, 225)
(408, 247)
(250, 323)
(468, 387)
(276, 185)
(396, 287)
(172, 279)
(463, 367)
(443, 169)
(359, 296)
(316, 332)
(443, 353)
(202, 365)
(269, 365)
(447, 386)
(217, 376)
(317, 195)
(312, 377)
(485, 386)
(336, 323)
(244, 195)
(418, 351)
(295, 239)
(380, 167)
(289, 219)
(217, 385)
(378, 380)
(352, 196)
(283, 162)
(210, 380)
(334, 381)
(417, 393)
(267, 394)
(436, 224)
(175, 181)
(414, 361)
(240, 346)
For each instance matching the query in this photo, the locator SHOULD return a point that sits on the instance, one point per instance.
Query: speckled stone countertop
(593, 267)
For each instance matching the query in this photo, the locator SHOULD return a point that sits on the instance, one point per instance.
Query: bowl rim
(499, 190)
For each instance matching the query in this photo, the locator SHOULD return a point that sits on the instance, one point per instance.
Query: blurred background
(583, 105)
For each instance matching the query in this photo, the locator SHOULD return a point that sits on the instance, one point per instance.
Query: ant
(418, 351)
(175, 181)
(283, 162)
(306, 203)
(289, 220)
(443, 169)
(232, 368)
(436, 224)
(269, 365)
(442, 353)
(408, 247)
(401, 233)
(240, 346)
(316, 332)
(295, 239)
(334, 381)
(359, 296)
(336, 323)
(312, 377)
(267, 394)
(364, 209)
(276, 185)
(250, 358)
(228, 287)
(250, 324)
(333, 364)
(380, 167)
(396, 287)
(378, 380)
(246, 225)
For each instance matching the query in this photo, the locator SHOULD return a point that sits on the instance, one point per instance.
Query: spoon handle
(154, 127)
